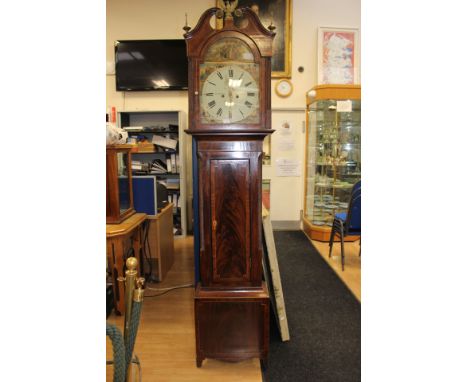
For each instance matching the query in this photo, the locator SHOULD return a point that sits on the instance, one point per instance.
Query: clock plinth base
(232, 325)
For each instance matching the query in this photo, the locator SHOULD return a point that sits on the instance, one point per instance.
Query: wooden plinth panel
(231, 325)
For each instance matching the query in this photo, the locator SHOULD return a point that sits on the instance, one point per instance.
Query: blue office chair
(348, 223)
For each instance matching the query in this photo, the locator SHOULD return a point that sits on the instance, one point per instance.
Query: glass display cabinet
(333, 155)
(119, 195)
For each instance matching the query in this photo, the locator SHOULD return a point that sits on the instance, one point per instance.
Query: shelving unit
(333, 155)
(168, 125)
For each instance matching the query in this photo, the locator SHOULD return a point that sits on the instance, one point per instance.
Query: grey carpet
(323, 315)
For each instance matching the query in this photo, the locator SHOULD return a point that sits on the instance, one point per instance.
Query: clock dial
(284, 88)
(230, 94)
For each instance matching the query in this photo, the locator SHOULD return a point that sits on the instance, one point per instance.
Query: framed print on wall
(338, 60)
(277, 12)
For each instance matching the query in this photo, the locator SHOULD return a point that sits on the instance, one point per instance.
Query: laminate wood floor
(351, 275)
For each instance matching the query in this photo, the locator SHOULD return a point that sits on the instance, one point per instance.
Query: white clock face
(229, 94)
(283, 88)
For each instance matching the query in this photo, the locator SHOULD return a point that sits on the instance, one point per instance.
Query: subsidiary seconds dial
(229, 94)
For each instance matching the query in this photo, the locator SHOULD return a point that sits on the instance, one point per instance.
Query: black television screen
(151, 65)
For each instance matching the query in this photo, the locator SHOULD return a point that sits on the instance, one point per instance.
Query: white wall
(148, 19)
(158, 19)
(286, 193)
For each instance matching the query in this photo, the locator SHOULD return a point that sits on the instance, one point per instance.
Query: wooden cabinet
(161, 242)
(119, 195)
(123, 240)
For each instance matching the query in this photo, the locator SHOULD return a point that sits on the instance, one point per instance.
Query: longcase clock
(229, 116)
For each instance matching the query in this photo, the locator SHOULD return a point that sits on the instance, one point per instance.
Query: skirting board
(286, 225)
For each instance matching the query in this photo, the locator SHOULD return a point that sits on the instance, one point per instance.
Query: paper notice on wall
(288, 167)
(285, 128)
(344, 106)
(286, 144)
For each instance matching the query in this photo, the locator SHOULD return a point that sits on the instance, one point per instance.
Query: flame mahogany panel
(230, 210)
(230, 207)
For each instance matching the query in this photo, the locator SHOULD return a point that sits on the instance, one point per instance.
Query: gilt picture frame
(278, 13)
(338, 56)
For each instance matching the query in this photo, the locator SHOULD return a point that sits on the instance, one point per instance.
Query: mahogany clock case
(231, 302)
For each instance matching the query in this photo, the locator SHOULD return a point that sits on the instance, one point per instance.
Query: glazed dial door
(230, 94)
(229, 82)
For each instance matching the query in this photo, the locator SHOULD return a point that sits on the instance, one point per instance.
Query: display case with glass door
(119, 195)
(333, 155)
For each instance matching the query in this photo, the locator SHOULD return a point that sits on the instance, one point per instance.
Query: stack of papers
(167, 143)
(133, 128)
(173, 184)
(158, 167)
(137, 165)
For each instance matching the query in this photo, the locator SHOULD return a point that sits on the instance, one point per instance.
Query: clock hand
(230, 104)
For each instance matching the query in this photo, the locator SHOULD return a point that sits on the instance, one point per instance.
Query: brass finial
(140, 282)
(186, 28)
(271, 27)
(139, 292)
(131, 263)
(228, 8)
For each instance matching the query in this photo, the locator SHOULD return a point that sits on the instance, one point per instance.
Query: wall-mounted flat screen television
(142, 65)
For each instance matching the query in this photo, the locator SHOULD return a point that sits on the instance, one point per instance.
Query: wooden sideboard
(123, 239)
(161, 241)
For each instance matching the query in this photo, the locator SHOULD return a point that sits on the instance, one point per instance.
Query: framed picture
(277, 12)
(338, 56)
(272, 276)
